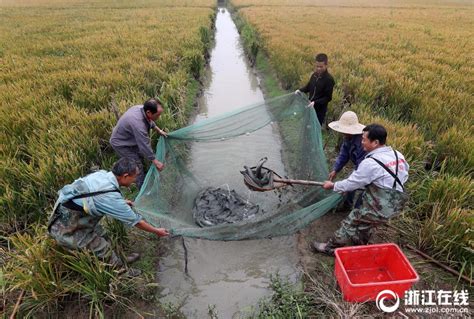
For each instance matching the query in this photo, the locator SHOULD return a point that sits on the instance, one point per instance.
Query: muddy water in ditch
(229, 277)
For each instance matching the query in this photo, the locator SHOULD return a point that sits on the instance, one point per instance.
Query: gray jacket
(132, 130)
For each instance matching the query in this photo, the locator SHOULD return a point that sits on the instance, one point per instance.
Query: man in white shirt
(381, 174)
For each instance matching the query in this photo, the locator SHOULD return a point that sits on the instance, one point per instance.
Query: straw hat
(348, 124)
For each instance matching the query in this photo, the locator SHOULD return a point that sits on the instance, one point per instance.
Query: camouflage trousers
(77, 230)
(377, 207)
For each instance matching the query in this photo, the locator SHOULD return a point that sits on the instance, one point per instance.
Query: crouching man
(382, 174)
(74, 223)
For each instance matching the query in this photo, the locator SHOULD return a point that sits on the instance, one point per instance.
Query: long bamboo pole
(17, 305)
(434, 261)
(431, 259)
(297, 181)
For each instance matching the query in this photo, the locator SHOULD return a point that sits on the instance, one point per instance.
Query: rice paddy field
(62, 65)
(406, 64)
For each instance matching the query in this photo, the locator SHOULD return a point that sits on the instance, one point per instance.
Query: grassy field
(405, 64)
(62, 64)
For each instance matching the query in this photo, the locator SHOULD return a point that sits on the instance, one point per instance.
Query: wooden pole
(297, 181)
(434, 261)
(17, 305)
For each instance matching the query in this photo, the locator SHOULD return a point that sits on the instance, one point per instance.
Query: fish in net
(215, 206)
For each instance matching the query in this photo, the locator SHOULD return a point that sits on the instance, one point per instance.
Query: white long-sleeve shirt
(369, 171)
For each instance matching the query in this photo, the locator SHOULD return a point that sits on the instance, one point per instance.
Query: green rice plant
(98, 282)
(50, 276)
(406, 138)
(396, 101)
(390, 69)
(194, 61)
(250, 39)
(448, 235)
(286, 301)
(455, 146)
(117, 234)
(290, 70)
(75, 60)
(444, 192)
(207, 35)
(34, 266)
(173, 95)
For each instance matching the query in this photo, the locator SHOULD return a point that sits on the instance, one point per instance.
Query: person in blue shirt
(351, 149)
(80, 206)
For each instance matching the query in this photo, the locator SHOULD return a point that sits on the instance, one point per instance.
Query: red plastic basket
(364, 271)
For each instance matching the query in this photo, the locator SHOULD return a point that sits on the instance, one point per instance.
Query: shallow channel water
(229, 277)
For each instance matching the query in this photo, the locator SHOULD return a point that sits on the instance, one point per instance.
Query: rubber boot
(133, 257)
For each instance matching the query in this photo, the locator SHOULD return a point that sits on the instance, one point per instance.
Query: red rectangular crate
(364, 271)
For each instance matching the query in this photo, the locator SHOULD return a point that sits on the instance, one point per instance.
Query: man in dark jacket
(130, 137)
(319, 87)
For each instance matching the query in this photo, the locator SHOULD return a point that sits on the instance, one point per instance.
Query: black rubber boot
(133, 257)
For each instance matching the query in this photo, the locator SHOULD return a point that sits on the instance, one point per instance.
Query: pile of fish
(215, 206)
(259, 178)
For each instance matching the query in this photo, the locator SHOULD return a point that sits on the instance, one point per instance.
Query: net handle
(297, 181)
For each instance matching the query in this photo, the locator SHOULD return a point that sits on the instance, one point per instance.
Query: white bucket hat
(348, 124)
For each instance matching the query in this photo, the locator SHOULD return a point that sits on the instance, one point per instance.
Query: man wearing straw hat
(351, 148)
(381, 174)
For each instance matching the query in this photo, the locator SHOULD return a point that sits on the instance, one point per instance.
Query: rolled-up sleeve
(113, 205)
(363, 176)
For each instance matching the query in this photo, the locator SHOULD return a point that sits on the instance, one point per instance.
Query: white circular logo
(379, 301)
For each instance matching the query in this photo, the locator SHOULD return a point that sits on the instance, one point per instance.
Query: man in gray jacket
(130, 137)
(381, 174)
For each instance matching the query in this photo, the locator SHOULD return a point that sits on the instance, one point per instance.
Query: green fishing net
(212, 152)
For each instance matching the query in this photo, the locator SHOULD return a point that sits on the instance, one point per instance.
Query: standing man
(382, 174)
(74, 223)
(319, 87)
(130, 137)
